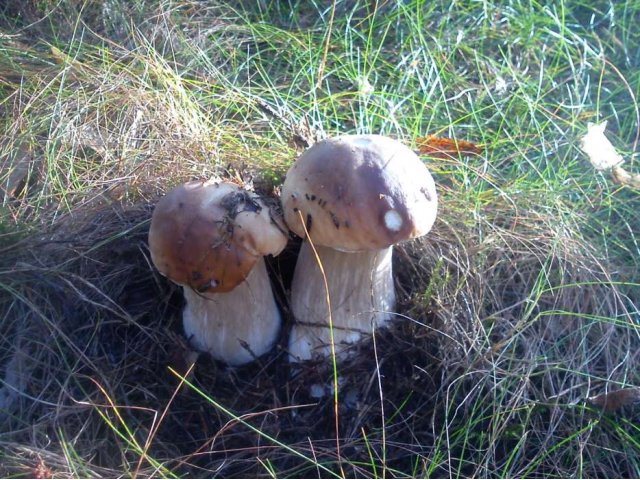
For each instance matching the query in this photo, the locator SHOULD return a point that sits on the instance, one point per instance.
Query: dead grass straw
(506, 315)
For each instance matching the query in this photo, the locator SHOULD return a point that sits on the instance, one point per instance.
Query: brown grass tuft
(92, 330)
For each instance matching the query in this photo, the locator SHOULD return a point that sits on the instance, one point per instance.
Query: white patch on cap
(393, 221)
(361, 141)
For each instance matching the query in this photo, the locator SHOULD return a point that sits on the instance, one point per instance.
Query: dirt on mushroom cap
(195, 240)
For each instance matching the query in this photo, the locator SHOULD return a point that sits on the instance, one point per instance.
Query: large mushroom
(210, 237)
(356, 196)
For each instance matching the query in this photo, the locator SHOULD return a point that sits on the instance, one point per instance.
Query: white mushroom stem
(237, 326)
(361, 293)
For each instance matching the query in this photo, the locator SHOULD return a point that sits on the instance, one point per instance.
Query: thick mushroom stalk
(210, 237)
(235, 327)
(357, 195)
(361, 293)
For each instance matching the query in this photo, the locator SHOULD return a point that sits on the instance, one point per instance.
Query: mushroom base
(235, 327)
(361, 293)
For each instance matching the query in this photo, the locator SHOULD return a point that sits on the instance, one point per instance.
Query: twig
(325, 53)
(333, 344)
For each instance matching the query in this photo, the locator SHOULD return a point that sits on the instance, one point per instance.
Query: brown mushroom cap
(359, 192)
(208, 235)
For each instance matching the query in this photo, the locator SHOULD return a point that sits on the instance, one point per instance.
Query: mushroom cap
(359, 192)
(208, 235)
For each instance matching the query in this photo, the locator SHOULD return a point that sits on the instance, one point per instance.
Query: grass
(519, 306)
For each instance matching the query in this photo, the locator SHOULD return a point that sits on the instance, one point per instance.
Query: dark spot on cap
(309, 220)
(313, 198)
(425, 192)
(180, 204)
(306, 195)
(334, 219)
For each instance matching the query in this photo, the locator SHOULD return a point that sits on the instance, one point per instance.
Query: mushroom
(210, 237)
(357, 195)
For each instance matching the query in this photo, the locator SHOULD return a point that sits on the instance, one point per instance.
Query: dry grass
(518, 307)
(480, 328)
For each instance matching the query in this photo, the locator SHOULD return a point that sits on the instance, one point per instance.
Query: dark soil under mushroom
(102, 328)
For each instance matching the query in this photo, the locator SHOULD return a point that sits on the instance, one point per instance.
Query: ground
(513, 353)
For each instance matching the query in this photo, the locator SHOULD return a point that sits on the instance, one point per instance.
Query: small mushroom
(357, 195)
(210, 237)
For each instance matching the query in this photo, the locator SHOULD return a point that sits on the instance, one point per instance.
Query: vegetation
(517, 313)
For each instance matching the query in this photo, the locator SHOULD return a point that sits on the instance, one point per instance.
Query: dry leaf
(613, 401)
(443, 147)
(620, 175)
(603, 155)
(599, 149)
